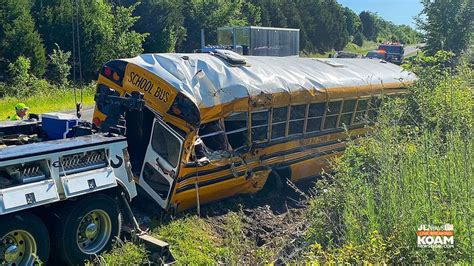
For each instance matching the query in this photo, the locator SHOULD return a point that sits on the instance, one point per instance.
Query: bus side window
(332, 112)
(260, 125)
(361, 111)
(279, 117)
(315, 117)
(348, 107)
(297, 115)
(213, 136)
(373, 109)
(236, 130)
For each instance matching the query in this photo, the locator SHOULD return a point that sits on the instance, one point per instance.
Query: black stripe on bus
(230, 176)
(209, 182)
(210, 171)
(298, 149)
(306, 136)
(263, 157)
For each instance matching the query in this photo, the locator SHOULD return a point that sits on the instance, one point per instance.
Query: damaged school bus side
(216, 125)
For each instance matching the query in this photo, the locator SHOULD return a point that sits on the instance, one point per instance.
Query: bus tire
(273, 185)
(86, 227)
(24, 239)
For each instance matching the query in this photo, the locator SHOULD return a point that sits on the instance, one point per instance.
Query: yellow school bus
(219, 124)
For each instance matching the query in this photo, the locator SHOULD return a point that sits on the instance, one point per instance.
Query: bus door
(161, 163)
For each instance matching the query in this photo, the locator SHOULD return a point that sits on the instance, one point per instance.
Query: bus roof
(211, 81)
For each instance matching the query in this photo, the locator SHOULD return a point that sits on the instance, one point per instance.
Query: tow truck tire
(86, 227)
(23, 239)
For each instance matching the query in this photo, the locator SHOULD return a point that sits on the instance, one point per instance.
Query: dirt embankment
(271, 224)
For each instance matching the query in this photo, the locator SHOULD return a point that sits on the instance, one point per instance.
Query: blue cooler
(58, 125)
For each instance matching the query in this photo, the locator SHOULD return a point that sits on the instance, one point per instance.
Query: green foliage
(163, 20)
(447, 25)
(374, 251)
(192, 241)
(22, 83)
(377, 29)
(19, 71)
(18, 36)
(324, 24)
(369, 27)
(104, 31)
(125, 41)
(60, 68)
(209, 15)
(124, 254)
(353, 22)
(442, 102)
(45, 98)
(414, 169)
(358, 39)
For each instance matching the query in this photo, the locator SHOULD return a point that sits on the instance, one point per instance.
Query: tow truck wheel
(24, 239)
(87, 227)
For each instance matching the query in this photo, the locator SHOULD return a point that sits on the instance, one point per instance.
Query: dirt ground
(274, 222)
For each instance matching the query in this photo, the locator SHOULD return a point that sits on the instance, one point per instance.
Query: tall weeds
(416, 168)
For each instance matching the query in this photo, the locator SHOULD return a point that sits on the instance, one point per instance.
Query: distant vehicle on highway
(379, 54)
(394, 51)
(346, 54)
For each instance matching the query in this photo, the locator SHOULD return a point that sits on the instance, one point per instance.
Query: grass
(350, 47)
(192, 240)
(51, 100)
(366, 47)
(124, 254)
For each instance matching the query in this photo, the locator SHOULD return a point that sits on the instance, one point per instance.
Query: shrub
(60, 68)
(358, 39)
(20, 71)
(416, 168)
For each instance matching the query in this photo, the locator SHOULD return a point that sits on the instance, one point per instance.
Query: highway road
(87, 113)
(409, 50)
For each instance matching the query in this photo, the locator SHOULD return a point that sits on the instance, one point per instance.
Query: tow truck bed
(46, 147)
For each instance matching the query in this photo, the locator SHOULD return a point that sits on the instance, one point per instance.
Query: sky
(397, 11)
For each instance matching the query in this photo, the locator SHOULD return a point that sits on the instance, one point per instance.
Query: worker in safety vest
(21, 112)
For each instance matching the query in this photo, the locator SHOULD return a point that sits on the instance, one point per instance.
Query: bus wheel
(272, 186)
(87, 227)
(24, 239)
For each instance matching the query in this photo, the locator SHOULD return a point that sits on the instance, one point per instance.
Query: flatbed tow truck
(65, 189)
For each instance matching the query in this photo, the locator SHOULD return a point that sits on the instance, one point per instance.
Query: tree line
(94, 31)
(87, 33)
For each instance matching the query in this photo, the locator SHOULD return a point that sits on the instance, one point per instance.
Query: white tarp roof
(209, 80)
